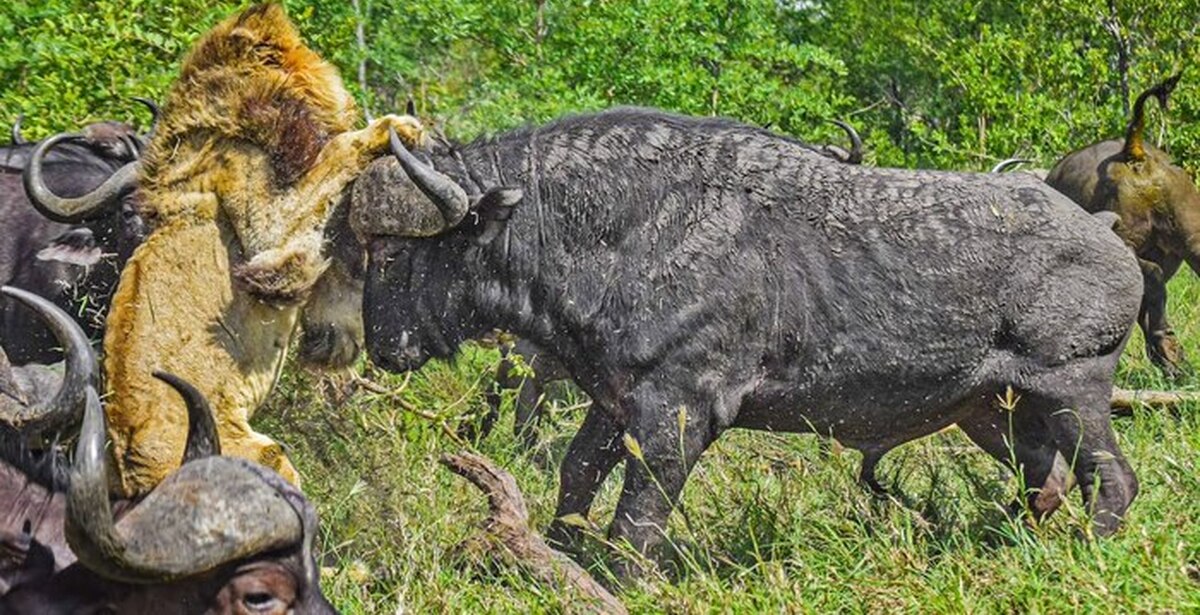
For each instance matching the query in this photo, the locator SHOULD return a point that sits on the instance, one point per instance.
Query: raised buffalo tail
(1135, 147)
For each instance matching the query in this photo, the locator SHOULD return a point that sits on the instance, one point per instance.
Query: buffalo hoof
(1166, 352)
(565, 537)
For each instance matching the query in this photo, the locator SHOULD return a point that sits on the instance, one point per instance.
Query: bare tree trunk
(1112, 23)
(361, 36)
(507, 533)
(540, 34)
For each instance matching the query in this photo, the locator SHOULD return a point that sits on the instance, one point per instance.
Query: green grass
(777, 523)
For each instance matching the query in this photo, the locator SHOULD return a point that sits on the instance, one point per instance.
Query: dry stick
(1123, 400)
(394, 395)
(507, 532)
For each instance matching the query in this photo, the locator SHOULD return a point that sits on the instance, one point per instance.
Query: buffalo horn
(78, 372)
(155, 113)
(71, 210)
(202, 438)
(449, 197)
(211, 512)
(1010, 162)
(855, 155)
(17, 139)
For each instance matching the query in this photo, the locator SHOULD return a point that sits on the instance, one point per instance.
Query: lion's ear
(283, 276)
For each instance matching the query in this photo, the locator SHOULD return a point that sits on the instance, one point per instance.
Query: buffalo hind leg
(591, 457)
(866, 475)
(1162, 347)
(1073, 401)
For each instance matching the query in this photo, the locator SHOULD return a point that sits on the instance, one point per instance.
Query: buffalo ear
(494, 209)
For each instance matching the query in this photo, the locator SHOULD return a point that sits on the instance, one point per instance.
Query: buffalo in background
(71, 222)
(1159, 210)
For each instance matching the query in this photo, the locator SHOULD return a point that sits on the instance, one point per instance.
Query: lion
(252, 155)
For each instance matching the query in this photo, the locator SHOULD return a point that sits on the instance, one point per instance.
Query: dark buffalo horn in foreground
(17, 139)
(202, 438)
(155, 113)
(855, 155)
(1010, 162)
(449, 197)
(79, 370)
(71, 210)
(211, 512)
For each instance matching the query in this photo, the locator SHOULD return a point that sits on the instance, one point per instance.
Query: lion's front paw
(407, 127)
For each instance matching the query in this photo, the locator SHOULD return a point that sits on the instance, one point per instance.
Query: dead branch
(394, 394)
(507, 533)
(360, 35)
(1123, 400)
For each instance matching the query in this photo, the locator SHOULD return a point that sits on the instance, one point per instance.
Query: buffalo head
(413, 218)
(67, 248)
(36, 400)
(220, 535)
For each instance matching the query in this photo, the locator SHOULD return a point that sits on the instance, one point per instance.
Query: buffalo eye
(259, 589)
(263, 602)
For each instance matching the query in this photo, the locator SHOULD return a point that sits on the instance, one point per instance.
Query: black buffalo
(220, 535)
(68, 248)
(699, 274)
(37, 401)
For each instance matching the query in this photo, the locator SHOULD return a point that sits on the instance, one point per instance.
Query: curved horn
(78, 374)
(155, 113)
(17, 139)
(71, 210)
(855, 155)
(1008, 162)
(449, 197)
(202, 438)
(210, 512)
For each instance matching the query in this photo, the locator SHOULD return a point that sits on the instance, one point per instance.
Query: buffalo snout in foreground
(219, 535)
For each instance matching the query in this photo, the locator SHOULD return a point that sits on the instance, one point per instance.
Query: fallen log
(508, 535)
(1123, 400)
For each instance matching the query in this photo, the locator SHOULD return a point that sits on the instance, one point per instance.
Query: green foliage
(962, 84)
(941, 84)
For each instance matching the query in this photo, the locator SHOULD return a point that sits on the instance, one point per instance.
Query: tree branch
(508, 535)
(1123, 400)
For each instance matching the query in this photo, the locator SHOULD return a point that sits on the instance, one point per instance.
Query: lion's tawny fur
(251, 155)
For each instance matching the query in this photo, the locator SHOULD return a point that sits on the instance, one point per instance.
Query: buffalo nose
(400, 356)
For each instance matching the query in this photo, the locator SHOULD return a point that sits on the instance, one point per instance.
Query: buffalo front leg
(662, 449)
(1085, 437)
(594, 452)
(1162, 347)
(1021, 441)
